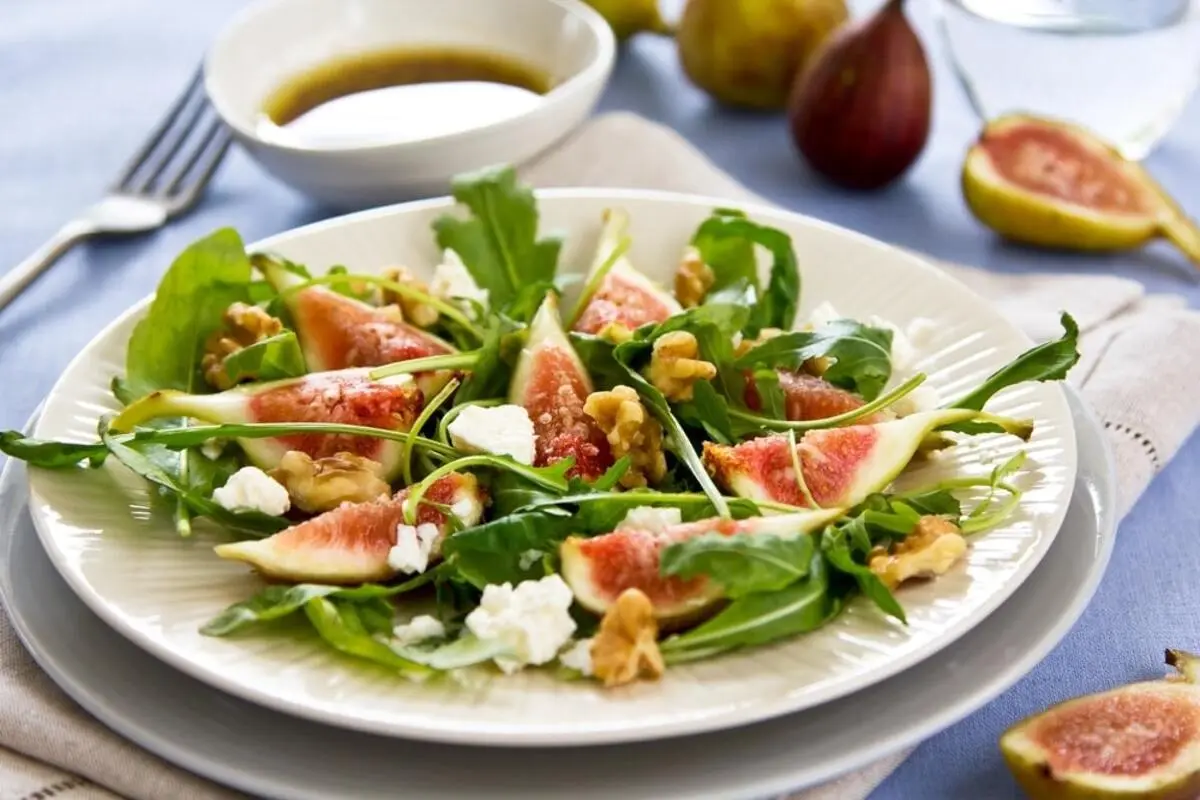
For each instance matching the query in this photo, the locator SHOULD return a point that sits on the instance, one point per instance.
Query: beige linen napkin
(1132, 374)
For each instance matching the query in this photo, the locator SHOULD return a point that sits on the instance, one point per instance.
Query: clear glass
(1124, 69)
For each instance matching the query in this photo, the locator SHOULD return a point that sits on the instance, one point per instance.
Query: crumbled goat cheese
(578, 656)
(251, 489)
(531, 621)
(451, 279)
(500, 430)
(413, 545)
(652, 519)
(923, 398)
(419, 629)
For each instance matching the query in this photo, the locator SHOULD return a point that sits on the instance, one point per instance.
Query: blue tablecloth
(81, 82)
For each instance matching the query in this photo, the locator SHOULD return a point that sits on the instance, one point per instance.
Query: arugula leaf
(465, 651)
(742, 563)
(861, 354)
(760, 618)
(677, 438)
(492, 371)
(935, 502)
(341, 625)
(1049, 361)
(770, 394)
(276, 602)
(250, 522)
(709, 411)
(496, 551)
(49, 454)
(597, 357)
(726, 242)
(273, 358)
(499, 243)
(835, 544)
(165, 347)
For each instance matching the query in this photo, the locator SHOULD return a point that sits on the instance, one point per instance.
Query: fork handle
(13, 282)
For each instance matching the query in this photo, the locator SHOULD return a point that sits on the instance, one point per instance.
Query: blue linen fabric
(82, 82)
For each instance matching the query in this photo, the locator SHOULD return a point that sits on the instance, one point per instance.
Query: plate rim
(729, 718)
(1105, 520)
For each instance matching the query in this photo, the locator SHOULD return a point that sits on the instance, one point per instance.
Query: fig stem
(427, 412)
(1184, 234)
(427, 364)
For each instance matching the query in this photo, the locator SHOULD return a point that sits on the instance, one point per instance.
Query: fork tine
(171, 145)
(131, 167)
(204, 164)
(171, 180)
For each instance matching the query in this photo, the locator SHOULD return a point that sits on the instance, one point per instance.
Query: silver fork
(163, 180)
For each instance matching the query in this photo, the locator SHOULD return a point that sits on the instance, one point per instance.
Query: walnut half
(631, 430)
(675, 365)
(693, 279)
(242, 325)
(934, 546)
(416, 311)
(626, 646)
(326, 483)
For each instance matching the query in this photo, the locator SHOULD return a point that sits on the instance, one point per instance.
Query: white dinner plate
(222, 738)
(127, 564)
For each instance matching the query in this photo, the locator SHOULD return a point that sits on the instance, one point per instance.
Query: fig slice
(340, 332)
(625, 297)
(841, 466)
(600, 568)
(1053, 184)
(343, 396)
(808, 397)
(350, 544)
(1141, 740)
(551, 383)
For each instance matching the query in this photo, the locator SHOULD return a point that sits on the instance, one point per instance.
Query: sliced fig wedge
(1140, 741)
(625, 296)
(1052, 184)
(808, 397)
(841, 466)
(339, 332)
(599, 569)
(344, 396)
(551, 383)
(350, 544)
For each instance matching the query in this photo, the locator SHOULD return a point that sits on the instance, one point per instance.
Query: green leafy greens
(499, 243)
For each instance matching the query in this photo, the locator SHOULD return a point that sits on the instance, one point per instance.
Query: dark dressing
(400, 95)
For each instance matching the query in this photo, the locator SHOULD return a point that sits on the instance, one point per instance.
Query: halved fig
(808, 397)
(599, 569)
(350, 544)
(1049, 183)
(344, 396)
(339, 332)
(1140, 741)
(625, 297)
(551, 383)
(841, 466)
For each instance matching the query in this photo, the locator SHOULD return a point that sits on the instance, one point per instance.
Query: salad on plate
(513, 465)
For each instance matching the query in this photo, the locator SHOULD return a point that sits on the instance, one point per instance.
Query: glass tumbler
(1124, 69)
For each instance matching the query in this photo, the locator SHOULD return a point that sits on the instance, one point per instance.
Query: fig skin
(860, 113)
(1178, 779)
(747, 53)
(630, 17)
(1021, 215)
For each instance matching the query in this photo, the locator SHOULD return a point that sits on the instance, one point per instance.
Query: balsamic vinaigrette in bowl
(401, 94)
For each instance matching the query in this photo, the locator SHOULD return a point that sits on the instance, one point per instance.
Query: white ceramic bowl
(274, 40)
